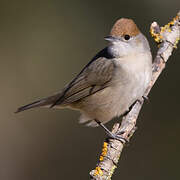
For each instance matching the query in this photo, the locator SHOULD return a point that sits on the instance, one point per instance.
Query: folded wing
(95, 76)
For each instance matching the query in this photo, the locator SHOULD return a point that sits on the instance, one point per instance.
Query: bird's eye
(127, 37)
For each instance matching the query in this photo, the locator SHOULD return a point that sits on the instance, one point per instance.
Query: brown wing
(95, 77)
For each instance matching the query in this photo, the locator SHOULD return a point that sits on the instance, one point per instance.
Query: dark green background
(43, 45)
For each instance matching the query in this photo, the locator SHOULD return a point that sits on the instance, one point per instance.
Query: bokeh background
(43, 45)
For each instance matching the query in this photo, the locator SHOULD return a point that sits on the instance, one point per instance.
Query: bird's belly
(110, 102)
(128, 84)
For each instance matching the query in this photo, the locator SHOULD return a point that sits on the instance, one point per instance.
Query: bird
(114, 79)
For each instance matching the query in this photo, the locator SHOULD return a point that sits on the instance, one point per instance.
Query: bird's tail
(47, 102)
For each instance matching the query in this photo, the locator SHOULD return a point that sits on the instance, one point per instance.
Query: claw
(116, 136)
(145, 98)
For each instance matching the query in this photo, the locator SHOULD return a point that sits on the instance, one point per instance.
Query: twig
(167, 37)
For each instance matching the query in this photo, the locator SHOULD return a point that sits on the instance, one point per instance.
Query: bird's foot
(140, 100)
(145, 98)
(117, 136)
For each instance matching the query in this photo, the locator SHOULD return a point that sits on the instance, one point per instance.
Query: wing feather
(94, 78)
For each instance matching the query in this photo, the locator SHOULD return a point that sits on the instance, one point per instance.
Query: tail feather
(42, 102)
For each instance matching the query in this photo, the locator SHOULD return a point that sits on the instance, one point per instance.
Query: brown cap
(124, 26)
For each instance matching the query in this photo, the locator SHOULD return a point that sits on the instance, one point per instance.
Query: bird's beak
(110, 38)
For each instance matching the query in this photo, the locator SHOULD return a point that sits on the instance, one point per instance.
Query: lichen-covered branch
(167, 38)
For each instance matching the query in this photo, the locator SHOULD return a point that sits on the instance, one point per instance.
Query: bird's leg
(112, 135)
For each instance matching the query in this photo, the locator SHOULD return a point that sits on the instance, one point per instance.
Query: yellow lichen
(176, 42)
(104, 151)
(158, 36)
(98, 171)
(101, 158)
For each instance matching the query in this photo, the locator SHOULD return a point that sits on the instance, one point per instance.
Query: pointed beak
(110, 38)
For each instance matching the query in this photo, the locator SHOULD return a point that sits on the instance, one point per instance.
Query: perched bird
(111, 82)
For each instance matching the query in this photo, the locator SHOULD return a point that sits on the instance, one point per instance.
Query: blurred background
(43, 45)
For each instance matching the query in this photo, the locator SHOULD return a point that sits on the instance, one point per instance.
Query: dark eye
(127, 37)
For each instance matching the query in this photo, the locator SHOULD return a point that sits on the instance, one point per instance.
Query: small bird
(111, 82)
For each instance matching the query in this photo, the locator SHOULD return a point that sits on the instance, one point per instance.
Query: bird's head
(126, 38)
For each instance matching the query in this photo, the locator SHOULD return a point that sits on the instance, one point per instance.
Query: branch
(167, 38)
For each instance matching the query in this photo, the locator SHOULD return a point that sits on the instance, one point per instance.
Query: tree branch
(167, 38)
